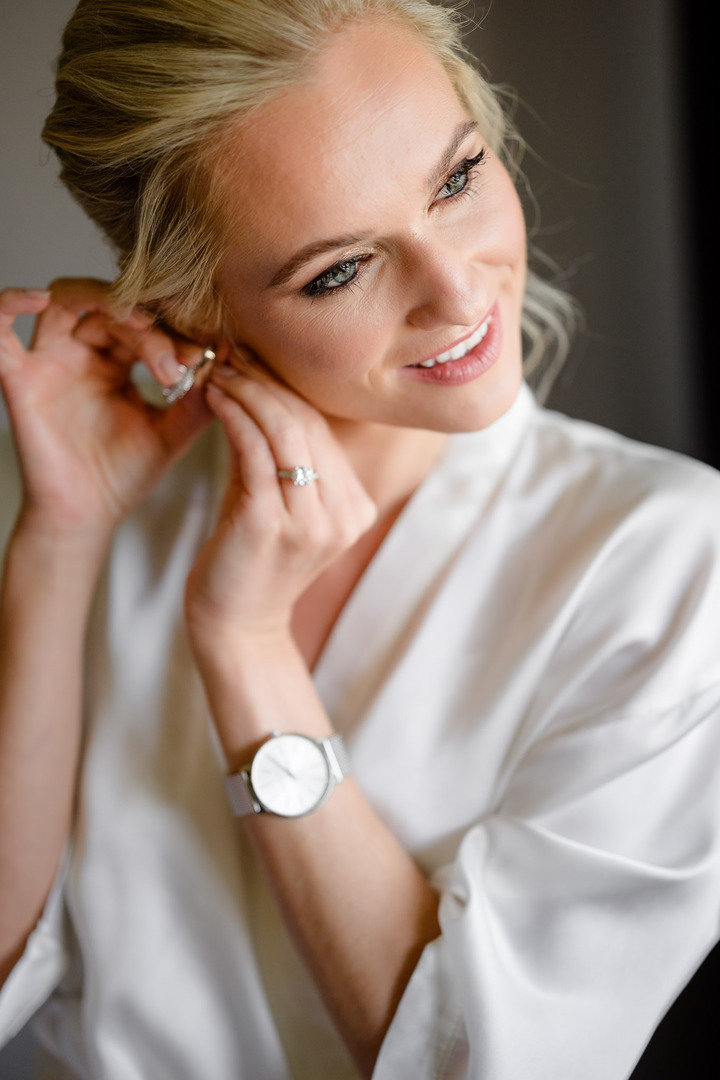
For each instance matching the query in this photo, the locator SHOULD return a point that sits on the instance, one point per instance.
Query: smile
(461, 349)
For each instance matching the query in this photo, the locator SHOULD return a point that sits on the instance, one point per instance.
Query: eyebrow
(320, 247)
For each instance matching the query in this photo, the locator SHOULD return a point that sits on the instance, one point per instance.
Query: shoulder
(603, 458)
(634, 533)
(624, 491)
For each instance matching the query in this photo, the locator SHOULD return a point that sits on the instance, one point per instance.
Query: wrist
(60, 560)
(58, 541)
(221, 648)
(256, 684)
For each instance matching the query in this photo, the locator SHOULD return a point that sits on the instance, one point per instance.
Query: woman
(509, 866)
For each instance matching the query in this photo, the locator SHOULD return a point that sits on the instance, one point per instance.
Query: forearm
(357, 906)
(46, 591)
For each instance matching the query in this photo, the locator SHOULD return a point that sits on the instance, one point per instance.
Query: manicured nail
(225, 371)
(167, 366)
(140, 319)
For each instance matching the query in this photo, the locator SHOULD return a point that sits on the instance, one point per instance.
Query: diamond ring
(301, 475)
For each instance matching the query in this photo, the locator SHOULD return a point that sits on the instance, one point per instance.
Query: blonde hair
(145, 89)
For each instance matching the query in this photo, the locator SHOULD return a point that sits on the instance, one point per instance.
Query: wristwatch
(290, 775)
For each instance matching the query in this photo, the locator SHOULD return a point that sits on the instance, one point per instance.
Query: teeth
(460, 350)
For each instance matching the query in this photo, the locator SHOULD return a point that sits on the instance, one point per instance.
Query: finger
(288, 408)
(127, 344)
(14, 302)
(339, 489)
(252, 455)
(71, 299)
(337, 499)
(283, 429)
(247, 363)
(170, 358)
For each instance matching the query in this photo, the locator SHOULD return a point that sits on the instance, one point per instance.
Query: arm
(44, 603)
(357, 906)
(88, 450)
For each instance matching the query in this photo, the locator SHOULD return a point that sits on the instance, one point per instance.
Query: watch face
(290, 775)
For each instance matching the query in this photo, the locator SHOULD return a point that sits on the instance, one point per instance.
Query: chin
(475, 406)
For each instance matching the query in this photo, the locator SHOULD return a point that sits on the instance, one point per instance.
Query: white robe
(528, 680)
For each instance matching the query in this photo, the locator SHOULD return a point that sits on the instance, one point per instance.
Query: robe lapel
(390, 600)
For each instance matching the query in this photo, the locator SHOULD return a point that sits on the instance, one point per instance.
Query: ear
(224, 349)
(247, 362)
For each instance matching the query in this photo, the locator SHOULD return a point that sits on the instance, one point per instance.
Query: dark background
(614, 100)
(611, 100)
(618, 97)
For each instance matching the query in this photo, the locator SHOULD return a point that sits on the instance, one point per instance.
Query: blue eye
(457, 183)
(336, 277)
(347, 272)
(460, 180)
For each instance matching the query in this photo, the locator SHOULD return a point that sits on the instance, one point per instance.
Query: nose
(445, 287)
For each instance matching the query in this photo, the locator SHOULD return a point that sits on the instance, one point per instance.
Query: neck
(391, 462)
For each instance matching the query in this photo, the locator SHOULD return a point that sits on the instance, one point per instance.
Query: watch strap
(239, 792)
(337, 755)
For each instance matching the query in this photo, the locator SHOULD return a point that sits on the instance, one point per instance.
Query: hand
(272, 539)
(89, 447)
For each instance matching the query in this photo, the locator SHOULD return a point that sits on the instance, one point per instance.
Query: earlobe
(247, 362)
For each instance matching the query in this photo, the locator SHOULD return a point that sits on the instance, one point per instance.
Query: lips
(461, 349)
(466, 360)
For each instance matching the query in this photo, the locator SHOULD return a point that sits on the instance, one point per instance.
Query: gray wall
(42, 233)
(601, 83)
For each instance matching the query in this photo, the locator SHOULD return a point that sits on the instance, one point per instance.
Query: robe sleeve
(42, 965)
(576, 911)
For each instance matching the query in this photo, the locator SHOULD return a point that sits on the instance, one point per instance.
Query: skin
(341, 156)
(319, 381)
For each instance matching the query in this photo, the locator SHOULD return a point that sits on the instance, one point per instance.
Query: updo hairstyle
(145, 92)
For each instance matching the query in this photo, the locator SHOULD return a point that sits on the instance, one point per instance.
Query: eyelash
(319, 288)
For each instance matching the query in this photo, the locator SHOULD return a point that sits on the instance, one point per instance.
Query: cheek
(321, 349)
(500, 232)
(515, 235)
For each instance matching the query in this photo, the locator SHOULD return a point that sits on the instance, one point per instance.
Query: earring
(187, 378)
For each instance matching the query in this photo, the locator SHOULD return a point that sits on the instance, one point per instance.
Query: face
(371, 230)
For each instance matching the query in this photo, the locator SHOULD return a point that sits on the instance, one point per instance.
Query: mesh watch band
(238, 789)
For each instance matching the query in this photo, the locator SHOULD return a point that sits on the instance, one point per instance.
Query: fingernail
(214, 393)
(38, 294)
(167, 367)
(224, 371)
(140, 319)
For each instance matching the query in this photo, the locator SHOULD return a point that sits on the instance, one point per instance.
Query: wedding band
(187, 378)
(301, 475)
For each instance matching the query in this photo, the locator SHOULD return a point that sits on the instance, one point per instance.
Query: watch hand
(283, 767)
